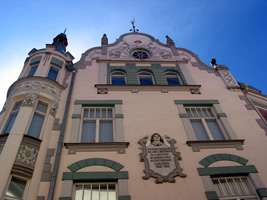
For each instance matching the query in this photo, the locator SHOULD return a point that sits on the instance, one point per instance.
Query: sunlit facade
(134, 119)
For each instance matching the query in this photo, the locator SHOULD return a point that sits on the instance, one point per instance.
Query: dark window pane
(173, 80)
(36, 125)
(16, 188)
(118, 80)
(199, 130)
(32, 71)
(88, 131)
(52, 74)
(41, 107)
(105, 131)
(10, 122)
(145, 80)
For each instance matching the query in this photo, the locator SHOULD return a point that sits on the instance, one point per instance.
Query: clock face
(140, 54)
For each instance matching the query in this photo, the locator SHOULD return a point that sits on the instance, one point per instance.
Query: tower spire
(61, 42)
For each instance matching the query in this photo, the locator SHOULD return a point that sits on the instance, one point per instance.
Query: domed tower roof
(61, 42)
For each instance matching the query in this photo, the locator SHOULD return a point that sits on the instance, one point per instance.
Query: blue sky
(232, 31)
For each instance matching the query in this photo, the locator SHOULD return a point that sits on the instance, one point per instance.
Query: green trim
(212, 195)
(262, 192)
(219, 115)
(65, 198)
(97, 102)
(76, 116)
(56, 62)
(35, 60)
(92, 176)
(93, 162)
(196, 102)
(260, 104)
(218, 157)
(124, 198)
(183, 115)
(227, 170)
(118, 115)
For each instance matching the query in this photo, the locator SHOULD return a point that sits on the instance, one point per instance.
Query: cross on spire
(133, 29)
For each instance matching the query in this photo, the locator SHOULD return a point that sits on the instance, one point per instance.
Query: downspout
(61, 137)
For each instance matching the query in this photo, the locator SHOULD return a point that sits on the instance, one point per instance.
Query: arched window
(118, 78)
(145, 78)
(173, 78)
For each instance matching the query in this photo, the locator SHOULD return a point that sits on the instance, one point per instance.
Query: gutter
(61, 137)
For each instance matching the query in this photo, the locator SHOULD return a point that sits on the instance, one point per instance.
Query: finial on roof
(169, 41)
(65, 30)
(213, 62)
(133, 29)
(104, 39)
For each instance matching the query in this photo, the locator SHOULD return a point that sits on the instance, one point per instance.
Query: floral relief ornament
(29, 99)
(27, 155)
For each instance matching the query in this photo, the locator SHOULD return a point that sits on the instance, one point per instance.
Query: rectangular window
(95, 191)
(97, 125)
(16, 188)
(32, 71)
(12, 118)
(235, 187)
(52, 74)
(204, 123)
(37, 120)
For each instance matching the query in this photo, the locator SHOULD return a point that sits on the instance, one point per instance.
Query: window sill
(96, 147)
(213, 144)
(105, 88)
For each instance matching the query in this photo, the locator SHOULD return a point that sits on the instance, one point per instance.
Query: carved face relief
(29, 99)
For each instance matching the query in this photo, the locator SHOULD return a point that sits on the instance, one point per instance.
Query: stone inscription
(161, 159)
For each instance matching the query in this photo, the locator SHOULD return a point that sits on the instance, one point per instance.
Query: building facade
(134, 119)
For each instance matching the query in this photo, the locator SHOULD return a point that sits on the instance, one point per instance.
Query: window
(32, 71)
(52, 74)
(118, 78)
(140, 54)
(95, 191)
(12, 118)
(16, 188)
(145, 78)
(204, 123)
(97, 125)
(237, 188)
(173, 78)
(37, 120)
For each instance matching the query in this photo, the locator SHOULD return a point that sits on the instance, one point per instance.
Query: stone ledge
(96, 147)
(213, 144)
(105, 88)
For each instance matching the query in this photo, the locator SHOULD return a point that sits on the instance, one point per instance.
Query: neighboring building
(87, 131)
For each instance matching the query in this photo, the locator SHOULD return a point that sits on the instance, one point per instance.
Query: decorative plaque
(161, 159)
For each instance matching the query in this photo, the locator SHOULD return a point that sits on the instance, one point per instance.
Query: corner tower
(31, 117)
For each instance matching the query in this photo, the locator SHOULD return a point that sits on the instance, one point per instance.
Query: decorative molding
(102, 90)
(195, 91)
(97, 102)
(137, 88)
(54, 108)
(36, 84)
(3, 138)
(196, 102)
(1, 147)
(95, 162)
(228, 79)
(207, 161)
(94, 176)
(29, 99)
(219, 171)
(212, 144)
(97, 147)
(27, 155)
